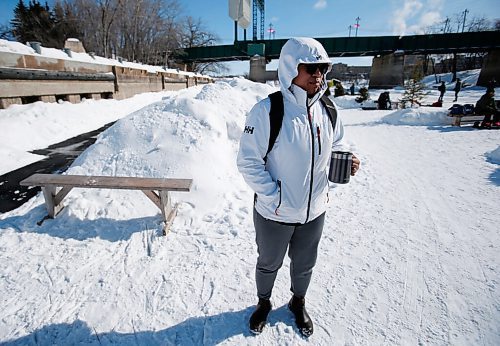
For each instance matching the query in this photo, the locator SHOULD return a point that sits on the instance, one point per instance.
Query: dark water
(59, 157)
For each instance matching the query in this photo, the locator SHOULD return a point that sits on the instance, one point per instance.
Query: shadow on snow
(205, 330)
(71, 227)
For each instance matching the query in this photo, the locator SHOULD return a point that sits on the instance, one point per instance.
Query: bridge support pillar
(387, 71)
(490, 69)
(258, 71)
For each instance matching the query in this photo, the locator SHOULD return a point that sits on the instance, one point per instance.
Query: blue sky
(328, 18)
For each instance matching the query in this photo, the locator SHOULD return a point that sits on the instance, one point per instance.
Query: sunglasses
(312, 68)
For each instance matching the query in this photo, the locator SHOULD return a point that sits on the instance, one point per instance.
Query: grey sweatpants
(273, 239)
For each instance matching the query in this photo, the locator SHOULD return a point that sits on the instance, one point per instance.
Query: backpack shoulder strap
(276, 114)
(331, 110)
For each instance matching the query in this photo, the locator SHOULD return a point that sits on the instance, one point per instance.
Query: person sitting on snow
(486, 106)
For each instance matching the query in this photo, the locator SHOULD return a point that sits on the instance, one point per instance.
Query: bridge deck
(467, 42)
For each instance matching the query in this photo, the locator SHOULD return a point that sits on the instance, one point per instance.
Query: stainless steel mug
(340, 167)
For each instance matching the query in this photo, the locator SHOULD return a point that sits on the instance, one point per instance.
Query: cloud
(415, 16)
(320, 4)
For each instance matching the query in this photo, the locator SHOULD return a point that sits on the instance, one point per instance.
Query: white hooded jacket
(292, 184)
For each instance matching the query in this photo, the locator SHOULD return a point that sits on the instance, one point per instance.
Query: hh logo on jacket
(249, 129)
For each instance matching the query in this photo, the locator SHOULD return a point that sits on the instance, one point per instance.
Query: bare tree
(150, 30)
(478, 24)
(196, 35)
(96, 19)
(457, 23)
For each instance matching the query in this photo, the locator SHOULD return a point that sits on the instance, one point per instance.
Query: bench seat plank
(127, 183)
(55, 187)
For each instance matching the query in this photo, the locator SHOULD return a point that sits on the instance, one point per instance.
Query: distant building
(344, 72)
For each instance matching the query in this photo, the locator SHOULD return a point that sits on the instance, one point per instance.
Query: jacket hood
(300, 50)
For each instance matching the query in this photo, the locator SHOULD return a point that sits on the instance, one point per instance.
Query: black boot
(259, 316)
(302, 319)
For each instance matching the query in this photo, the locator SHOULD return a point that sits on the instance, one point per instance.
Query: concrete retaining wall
(82, 80)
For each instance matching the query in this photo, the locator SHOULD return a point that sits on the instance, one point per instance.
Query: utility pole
(465, 15)
(446, 22)
(271, 30)
(357, 25)
(350, 28)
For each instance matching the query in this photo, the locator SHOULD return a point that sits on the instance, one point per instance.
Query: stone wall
(30, 78)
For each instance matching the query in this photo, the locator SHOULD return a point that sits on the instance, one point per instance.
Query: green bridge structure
(389, 53)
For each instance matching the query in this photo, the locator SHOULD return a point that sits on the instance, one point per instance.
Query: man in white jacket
(290, 183)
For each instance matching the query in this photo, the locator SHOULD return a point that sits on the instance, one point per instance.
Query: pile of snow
(48, 123)
(346, 102)
(421, 116)
(195, 127)
(494, 156)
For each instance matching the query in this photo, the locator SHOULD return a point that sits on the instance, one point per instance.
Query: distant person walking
(457, 88)
(442, 90)
(352, 89)
(290, 181)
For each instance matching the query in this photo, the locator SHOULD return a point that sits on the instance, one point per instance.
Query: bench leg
(162, 201)
(167, 210)
(49, 193)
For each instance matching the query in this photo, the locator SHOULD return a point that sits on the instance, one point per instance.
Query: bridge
(389, 52)
(467, 42)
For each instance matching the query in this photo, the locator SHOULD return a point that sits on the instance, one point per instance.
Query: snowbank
(422, 116)
(48, 123)
(349, 102)
(346, 102)
(191, 135)
(494, 156)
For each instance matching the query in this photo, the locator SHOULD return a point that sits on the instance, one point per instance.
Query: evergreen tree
(413, 94)
(36, 22)
(32, 23)
(18, 23)
(64, 25)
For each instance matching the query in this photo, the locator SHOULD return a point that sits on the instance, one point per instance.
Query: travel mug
(340, 167)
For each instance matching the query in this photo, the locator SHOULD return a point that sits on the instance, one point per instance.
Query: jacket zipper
(319, 140)
(312, 163)
(279, 202)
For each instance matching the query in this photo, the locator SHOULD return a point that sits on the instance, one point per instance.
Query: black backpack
(277, 112)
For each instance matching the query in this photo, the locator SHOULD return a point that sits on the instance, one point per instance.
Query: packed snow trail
(404, 259)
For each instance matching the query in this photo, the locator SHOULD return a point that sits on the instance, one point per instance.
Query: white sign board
(240, 11)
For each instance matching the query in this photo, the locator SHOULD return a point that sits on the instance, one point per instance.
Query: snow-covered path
(422, 214)
(409, 253)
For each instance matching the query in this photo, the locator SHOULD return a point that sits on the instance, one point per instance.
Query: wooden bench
(55, 187)
(461, 119)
